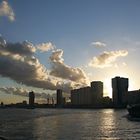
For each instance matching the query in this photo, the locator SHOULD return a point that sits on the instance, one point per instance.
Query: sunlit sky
(67, 44)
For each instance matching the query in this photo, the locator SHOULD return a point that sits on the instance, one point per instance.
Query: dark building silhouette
(120, 90)
(24, 102)
(31, 98)
(59, 97)
(97, 91)
(2, 104)
(133, 97)
(48, 101)
(81, 96)
(107, 101)
(52, 101)
(63, 100)
(88, 95)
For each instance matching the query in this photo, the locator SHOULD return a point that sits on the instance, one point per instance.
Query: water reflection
(83, 124)
(67, 124)
(108, 123)
(58, 125)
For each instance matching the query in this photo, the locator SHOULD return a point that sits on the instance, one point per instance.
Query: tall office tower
(31, 98)
(97, 91)
(119, 89)
(59, 97)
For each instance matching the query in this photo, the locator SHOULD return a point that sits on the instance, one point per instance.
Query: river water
(67, 124)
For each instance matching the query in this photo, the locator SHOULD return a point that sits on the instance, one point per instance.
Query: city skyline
(49, 45)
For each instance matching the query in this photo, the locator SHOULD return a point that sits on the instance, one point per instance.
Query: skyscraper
(31, 98)
(97, 91)
(59, 97)
(120, 90)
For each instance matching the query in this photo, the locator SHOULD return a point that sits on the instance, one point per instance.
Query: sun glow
(107, 88)
(133, 85)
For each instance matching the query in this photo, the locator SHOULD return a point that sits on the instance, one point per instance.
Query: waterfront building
(81, 96)
(59, 97)
(119, 91)
(31, 98)
(24, 102)
(133, 97)
(2, 104)
(63, 100)
(97, 91)
(88, 95)
(74, 97)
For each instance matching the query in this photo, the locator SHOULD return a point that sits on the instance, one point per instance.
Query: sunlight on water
(108, 123)
(67, 124)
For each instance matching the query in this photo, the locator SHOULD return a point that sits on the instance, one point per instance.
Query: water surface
(67, 124)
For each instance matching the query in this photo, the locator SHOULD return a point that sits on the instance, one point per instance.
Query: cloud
(44, 47)
(107, 58)
(26, 70)
(7, 11)
(124, 64)
(14, 91)
(56, 56)
(2, 41)
(24, 48)
(18, 62)
(61, 70)
(98, 44)
(24, 92)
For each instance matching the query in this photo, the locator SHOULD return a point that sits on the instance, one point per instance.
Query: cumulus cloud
(2, 41)
(44, 47)
(14, 91)
(18, 62)
(56, 56)
(60, 69)
(24, 48)
(98, 44)
(107, 58)
(24, 92)
(6, 10)
(25, 70)
(124, 64)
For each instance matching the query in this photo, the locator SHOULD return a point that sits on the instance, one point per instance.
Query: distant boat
(134, 110)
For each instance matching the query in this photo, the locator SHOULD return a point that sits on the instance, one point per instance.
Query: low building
(133, 97)
(88, 95)
(81, 96)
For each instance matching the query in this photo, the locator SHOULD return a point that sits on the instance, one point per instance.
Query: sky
(51, 44)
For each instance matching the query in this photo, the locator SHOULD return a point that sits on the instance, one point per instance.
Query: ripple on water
(67, 124)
